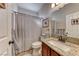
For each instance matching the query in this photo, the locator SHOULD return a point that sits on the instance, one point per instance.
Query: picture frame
(75, 21)
(2, 5)
(45, 23)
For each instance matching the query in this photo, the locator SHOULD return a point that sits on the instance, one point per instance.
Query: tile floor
(26, 53)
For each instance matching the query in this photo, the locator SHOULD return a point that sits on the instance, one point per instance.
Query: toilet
(36, 46)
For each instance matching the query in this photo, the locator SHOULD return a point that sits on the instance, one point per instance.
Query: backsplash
(73, 40)
(60, 31)
(69, 39)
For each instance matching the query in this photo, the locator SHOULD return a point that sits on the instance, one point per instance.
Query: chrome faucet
(63, 37)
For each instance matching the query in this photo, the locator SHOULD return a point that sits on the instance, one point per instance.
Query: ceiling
(42, 9)
(31, 6)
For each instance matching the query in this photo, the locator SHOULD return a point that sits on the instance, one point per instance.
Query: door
(5, 48)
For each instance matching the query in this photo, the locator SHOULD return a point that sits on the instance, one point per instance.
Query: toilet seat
(36, 44)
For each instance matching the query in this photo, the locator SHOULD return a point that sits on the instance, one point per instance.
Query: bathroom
(39, 29)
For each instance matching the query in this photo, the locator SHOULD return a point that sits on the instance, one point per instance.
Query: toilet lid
(36, 43)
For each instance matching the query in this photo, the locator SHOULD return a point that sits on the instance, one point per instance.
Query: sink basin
(60, 45)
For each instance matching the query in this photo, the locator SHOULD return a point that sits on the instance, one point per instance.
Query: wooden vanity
(47, 51)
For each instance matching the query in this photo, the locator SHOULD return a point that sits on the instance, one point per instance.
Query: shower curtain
(25, 31)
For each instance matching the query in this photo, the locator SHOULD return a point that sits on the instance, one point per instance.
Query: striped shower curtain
(25, 31)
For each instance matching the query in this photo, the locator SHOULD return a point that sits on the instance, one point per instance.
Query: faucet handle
(60, 38)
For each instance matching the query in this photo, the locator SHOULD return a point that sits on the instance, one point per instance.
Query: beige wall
(44, 11)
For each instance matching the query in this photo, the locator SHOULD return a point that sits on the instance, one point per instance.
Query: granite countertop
(74, 48)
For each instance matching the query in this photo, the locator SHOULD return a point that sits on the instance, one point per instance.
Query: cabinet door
(53, 53)
(48, 51)
(45, 50)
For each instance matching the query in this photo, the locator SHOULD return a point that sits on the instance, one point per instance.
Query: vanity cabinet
(53, 53)
(47, 51)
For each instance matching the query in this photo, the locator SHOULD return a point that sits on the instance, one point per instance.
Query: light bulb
(57, 3)
(52, 5)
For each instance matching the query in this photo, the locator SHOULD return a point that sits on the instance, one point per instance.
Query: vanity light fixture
(60, 5)
(57, 3)
(53, 5)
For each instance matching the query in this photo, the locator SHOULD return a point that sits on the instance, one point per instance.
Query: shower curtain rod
(23, 13)
(17, 12)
